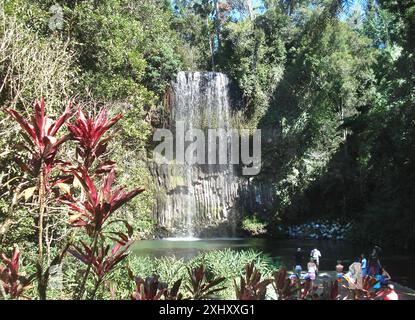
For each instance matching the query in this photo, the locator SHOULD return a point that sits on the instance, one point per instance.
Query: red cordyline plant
(151, 288)
(251, 287)
(200, 288)
(40, 136)
(93, 212)
(286, 288)
(42, 143)
(293, 288)
(12, 283)
(104, 259)
(98, 202)
(89, 132)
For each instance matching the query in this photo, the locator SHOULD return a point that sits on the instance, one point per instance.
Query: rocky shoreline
(317, 230)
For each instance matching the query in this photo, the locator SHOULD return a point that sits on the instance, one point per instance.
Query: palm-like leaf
(89, 132)
(201, 289)
(105, 259)
(13, 283)
(251, 287)
(286, 288)
(99, 204)
(40, 136)
(149, 288)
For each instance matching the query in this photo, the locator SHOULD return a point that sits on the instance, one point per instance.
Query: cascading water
(204, 199)
(198, 195)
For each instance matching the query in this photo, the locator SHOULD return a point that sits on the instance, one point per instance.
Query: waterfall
(198, 195)
(204, 199)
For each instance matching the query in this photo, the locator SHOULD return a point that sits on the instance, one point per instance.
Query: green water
(400, 265)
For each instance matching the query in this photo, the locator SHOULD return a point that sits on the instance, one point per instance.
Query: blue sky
(258, 4)
(259, 7)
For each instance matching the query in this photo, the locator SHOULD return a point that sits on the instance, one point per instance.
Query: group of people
(362, 267)
(358, 270)
(312, 265)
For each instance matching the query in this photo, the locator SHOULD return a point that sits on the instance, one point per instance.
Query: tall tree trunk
(250, 8)
(218, 24)
(345, 149)
(212, 54)
(291, 7)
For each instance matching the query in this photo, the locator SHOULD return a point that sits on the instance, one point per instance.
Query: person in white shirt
(311, 271)
(316, 254)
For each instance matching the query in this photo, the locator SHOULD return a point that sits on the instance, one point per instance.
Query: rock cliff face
(194, 197)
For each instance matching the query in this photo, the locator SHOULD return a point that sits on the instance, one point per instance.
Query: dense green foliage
(224, 263)
(332, 89)
(116, 53)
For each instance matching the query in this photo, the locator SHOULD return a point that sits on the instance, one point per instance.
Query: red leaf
(124, 198)
(23, 123)
(95, 210)
(105, 166)
(62, 119)
(107, 184)
(88, 133)
(39, 119)
(40, 135)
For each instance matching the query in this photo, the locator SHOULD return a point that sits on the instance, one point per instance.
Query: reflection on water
(401, 265)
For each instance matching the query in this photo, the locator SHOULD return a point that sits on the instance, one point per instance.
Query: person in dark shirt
(376, 253)
(374, 261)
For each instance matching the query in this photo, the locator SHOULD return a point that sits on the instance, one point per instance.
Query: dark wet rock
(317, 230)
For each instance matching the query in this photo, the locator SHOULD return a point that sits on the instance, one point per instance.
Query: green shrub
(254, 226)
(223, 263)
